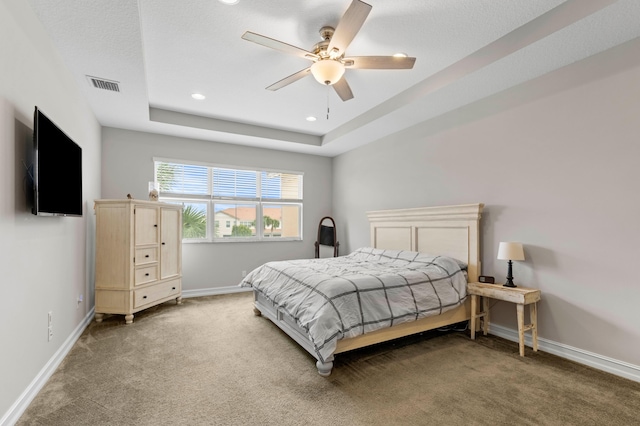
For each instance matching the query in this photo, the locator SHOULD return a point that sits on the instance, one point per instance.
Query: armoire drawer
(146, 274)
(146, 255)
(157, 292)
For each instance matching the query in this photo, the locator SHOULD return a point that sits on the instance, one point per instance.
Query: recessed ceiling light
(229, 1)
(311, 118)
(400, 55)
(198, 96)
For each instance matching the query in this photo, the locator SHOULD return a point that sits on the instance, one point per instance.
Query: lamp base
(509, 282)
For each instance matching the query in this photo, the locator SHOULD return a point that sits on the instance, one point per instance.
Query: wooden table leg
(533, 313)
(485, 318)
(520, 310)
(474, 308)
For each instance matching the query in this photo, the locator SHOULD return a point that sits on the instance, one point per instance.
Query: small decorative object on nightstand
(510, 252)
(520, 296)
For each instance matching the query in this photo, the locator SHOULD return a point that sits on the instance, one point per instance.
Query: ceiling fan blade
(343, 90)
(279, 45)
(291, 79)
(348, 27)
(379, 62)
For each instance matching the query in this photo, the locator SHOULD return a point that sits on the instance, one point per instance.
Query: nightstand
(519, 295)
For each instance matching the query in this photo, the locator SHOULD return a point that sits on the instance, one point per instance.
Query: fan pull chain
(327, 102)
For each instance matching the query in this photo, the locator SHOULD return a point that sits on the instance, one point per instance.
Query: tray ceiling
(159, 52)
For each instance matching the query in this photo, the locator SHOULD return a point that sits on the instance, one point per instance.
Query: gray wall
(557, 164)
(127, 167)
(46, 262)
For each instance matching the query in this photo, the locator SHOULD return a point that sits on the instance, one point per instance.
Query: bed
(412, 278)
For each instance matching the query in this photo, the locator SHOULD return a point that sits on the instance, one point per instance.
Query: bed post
(324, 368)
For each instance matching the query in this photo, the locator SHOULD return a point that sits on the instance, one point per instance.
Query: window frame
(211, 200)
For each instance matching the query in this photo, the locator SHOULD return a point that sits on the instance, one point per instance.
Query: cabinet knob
(146, 255)
(144, 297)
(173, 288)
(162, 243)
(146, 275)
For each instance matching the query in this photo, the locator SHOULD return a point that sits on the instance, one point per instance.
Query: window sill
(233, 240)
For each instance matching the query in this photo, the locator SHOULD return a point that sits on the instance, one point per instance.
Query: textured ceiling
(162, 51)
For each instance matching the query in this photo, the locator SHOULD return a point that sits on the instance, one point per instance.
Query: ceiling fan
(328, 55)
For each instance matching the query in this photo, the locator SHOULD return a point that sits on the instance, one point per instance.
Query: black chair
(327, 236)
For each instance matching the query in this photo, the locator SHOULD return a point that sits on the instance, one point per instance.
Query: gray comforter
(364, 291)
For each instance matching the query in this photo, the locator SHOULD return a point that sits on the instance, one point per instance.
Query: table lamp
(510, 252)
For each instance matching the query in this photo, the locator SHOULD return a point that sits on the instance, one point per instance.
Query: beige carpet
(210, 361)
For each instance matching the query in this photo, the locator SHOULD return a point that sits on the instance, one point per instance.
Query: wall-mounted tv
(57, 170)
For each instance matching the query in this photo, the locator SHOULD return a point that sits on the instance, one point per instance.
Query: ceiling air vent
(101, 83)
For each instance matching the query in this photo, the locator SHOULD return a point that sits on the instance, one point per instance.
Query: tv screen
(57, 170)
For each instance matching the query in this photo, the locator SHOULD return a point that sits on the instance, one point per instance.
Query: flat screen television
(57, 170)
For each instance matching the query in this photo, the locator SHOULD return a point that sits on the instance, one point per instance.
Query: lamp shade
(327, 71)
(510, 251)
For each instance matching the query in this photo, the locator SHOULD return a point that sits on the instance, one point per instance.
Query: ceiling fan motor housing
(327, 32)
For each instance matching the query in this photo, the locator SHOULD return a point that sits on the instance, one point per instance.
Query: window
(223, 203)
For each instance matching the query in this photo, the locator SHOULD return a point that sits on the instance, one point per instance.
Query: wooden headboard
(452, 231)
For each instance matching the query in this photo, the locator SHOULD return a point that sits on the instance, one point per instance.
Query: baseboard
(600, 362)
(214, 291)
(21, 404)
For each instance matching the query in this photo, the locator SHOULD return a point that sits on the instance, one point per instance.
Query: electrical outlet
(50, 326)
(244, 274)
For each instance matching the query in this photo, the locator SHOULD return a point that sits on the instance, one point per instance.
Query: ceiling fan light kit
(329, 62)
(327, 71)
